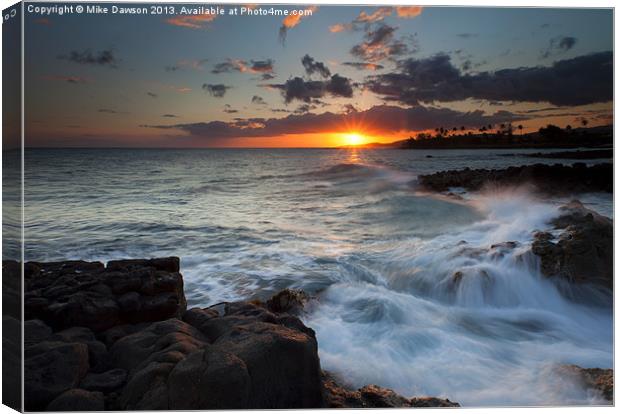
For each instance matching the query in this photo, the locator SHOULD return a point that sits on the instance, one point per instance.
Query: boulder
(288, 301)
(583, 252)
(35, 331)
(50, 369)
(105, 382)
(77, 400)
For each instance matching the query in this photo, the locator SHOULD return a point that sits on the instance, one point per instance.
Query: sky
(337, 75)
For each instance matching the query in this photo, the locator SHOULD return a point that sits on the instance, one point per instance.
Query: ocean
(350, 228)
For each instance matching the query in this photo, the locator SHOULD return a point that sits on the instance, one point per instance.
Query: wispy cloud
(257, 100)
(152, 94)
(364, 19)
(187, 64)
(192, 21)
(313, 66)
(243, 66)
(216, 90)
(68, 79)
(88, 57)
(381, 43)
(363, 65)
(293, 20)
(558, 45)
(111, 111)
(408, 12)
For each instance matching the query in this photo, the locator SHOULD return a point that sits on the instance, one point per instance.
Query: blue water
(349, 227)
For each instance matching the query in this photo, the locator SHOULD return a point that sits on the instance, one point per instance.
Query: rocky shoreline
(119, 337)
(557, 179)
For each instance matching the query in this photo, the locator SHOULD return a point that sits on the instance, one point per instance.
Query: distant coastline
(549, 137)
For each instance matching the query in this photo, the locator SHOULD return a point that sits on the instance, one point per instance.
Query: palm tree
(520, 128)
(584, 122)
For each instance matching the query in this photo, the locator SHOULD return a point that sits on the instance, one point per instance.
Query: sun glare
(354, 138)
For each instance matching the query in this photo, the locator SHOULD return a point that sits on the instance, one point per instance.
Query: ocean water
(351, 228)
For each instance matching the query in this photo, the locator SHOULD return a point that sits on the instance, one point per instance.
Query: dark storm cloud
(257, 100)
(578, 81)
(312, 66)
(382, 119)
(87, 57)
(559, 45)
(363, 65)
(307, 90)
(216, 90)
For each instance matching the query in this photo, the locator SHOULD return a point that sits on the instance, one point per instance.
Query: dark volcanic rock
(583, 253)
(289, 301)
(50, 369)
(550, 179)
(246, 358)
(76, 293)
(119, 338)
(106, 382)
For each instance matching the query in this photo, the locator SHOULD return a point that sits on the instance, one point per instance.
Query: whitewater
(423, 293)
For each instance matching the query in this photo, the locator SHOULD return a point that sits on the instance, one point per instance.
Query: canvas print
(248, 206)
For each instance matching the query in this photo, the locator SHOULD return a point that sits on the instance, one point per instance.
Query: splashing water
(465, 316)
(427, 295)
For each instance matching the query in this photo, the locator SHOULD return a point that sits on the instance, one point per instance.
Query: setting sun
(354, 138)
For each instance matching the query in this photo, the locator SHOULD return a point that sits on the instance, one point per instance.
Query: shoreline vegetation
(504, 136)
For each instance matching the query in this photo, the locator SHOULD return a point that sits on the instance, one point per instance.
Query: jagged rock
(432, 402)
(77, 293)
(113, 355)
(373, 396)
(551, 179)
(378, 397)
(289, 301)
(77, 400)
(583, 253)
